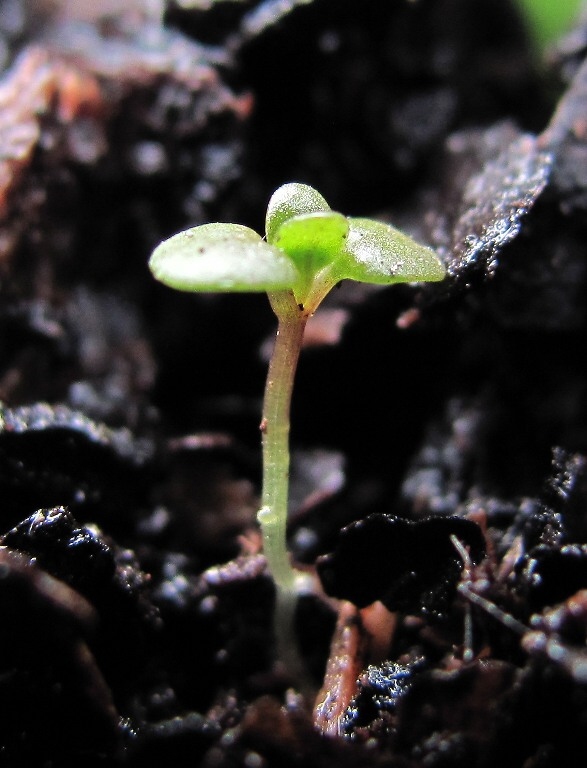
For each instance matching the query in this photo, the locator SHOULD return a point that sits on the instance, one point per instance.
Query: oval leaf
(222, 257)
(379, 253)
(291, 200)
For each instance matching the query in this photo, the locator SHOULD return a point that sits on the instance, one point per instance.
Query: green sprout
(548, 20)
(308, 249)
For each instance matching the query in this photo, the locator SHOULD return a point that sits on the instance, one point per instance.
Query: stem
(275, 428)
(273, 514)
(292, 318)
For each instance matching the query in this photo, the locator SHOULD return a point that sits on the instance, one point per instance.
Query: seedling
(546, 21)
(308, 249)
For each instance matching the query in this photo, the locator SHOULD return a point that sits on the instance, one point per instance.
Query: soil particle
(410, 566)
(455, 725)
(487, 219)
(51, 454)
(56, 699)
(105, 574)
(379, 690)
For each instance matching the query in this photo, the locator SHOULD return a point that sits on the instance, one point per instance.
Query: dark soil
(442, 428)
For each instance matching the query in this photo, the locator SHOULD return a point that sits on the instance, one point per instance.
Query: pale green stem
(275, 430)
(273, 514)
(292, 318)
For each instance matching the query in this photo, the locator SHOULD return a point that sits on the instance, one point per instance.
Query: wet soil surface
(439, 433)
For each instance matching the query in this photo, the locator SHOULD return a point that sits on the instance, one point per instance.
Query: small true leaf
(379, 253)
(222, 257)
(313, 240)
(291, 200)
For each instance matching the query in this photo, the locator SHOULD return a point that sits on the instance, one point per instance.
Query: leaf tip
(291, 199)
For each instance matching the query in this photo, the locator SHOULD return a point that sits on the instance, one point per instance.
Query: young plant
(308, 249)
(547, 20)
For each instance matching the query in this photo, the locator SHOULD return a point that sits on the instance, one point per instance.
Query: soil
(439, 432)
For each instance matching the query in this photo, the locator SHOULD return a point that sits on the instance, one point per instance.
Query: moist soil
(439, 433)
